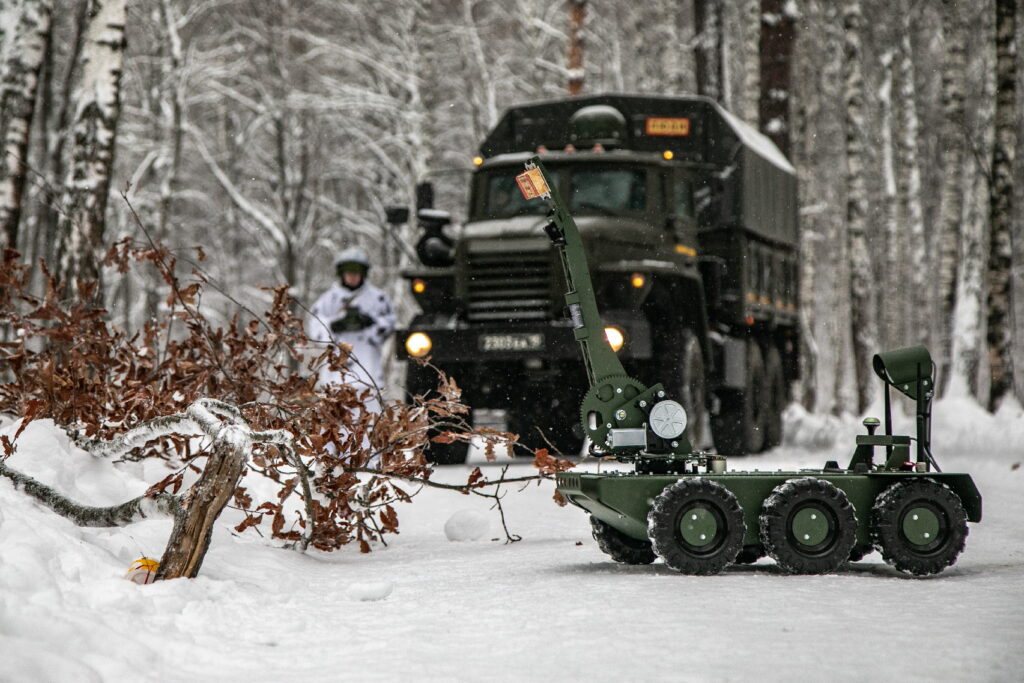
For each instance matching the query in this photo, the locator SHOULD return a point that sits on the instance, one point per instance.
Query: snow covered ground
(548, 607)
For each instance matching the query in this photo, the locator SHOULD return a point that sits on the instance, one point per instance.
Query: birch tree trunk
(749, 53)
(577, 42)
(173, 127)
(778, 35)
(55, 105)
(909, 179)
(967, 322)
(891, 306)
(21, 57)
(94, 130)
(708, 47)
(1001, 205)
(864, 326)
(954, 137)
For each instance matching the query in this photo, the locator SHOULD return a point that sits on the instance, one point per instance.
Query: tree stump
(190, 538)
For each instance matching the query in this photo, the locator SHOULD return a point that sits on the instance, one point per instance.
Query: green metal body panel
(759, 194)
(722, 266)
(622, 500)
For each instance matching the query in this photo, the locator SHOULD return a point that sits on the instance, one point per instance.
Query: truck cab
(688, 220)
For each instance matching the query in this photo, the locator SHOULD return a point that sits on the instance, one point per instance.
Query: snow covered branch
(134, 510)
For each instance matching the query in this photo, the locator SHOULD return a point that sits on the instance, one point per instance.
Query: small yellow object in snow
(142, 571)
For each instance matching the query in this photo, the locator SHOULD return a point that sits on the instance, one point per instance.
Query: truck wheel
(775, 395)
(696, 526)
(454, 453)
(750, 554)
(919, 526)
(808, 526)
(738, 427)
(860, 551)
(688, 382)
(619, 546)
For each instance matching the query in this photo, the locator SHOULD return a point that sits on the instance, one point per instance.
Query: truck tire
(738, 428)
(421, 380)
(454, 453)
(686, 379)
(619, 546)
(775, 394)
(696, 526)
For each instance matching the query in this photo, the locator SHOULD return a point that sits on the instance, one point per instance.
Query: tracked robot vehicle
(687, 508)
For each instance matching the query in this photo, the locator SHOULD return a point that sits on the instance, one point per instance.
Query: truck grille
(509, 280)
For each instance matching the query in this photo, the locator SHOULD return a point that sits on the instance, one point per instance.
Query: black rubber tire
(454, 453)
(680, 367)
(775, 397)
(692, 390)
(750, 554)
(738, 428)
(714, 503)
(806, 499)
(619, 546)
(895, 508)
(860, 551)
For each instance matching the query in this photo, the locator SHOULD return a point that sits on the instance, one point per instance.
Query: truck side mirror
(434, 248)
(396, 215)
(425, 195)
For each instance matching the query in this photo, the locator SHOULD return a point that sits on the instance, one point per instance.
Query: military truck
(689, 221)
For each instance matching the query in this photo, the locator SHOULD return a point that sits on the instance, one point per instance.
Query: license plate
(512, 342)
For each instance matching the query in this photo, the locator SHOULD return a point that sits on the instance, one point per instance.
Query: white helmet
(353, 255)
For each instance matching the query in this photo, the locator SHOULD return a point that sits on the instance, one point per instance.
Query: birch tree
(909, 179)
(751, 64)
(94, 128)
(577, 45)
(968, 322)
(24, 34)
(1001, 190)
(778, 33)
(891, 307)
(708, 48)
(863, 325)
(55, 93)
(954, 136)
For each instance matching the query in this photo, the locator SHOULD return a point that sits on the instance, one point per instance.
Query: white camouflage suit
(364, 368)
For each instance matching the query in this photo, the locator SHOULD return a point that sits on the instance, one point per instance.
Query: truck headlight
(615, 337)
(418, 344)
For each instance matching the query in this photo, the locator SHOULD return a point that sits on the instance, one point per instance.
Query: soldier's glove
(353, 321)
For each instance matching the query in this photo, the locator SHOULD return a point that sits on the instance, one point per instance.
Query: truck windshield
(606, 191)
(611, 191)
(504, 199)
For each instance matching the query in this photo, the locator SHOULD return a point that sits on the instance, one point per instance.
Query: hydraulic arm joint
(621, 415)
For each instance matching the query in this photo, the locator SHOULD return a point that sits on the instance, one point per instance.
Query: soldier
(354, 312)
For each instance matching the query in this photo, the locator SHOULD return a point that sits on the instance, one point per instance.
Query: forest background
(275, 132)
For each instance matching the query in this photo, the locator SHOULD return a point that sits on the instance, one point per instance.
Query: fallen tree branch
(134, 510)
(462, 488)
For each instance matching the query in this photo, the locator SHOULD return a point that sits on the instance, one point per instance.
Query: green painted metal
(698, 526)
(904, 368)
(622, 500)
(810, 526)
(614, 401)
(921, 526)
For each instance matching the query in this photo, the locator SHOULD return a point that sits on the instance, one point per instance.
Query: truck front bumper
(458, 341)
